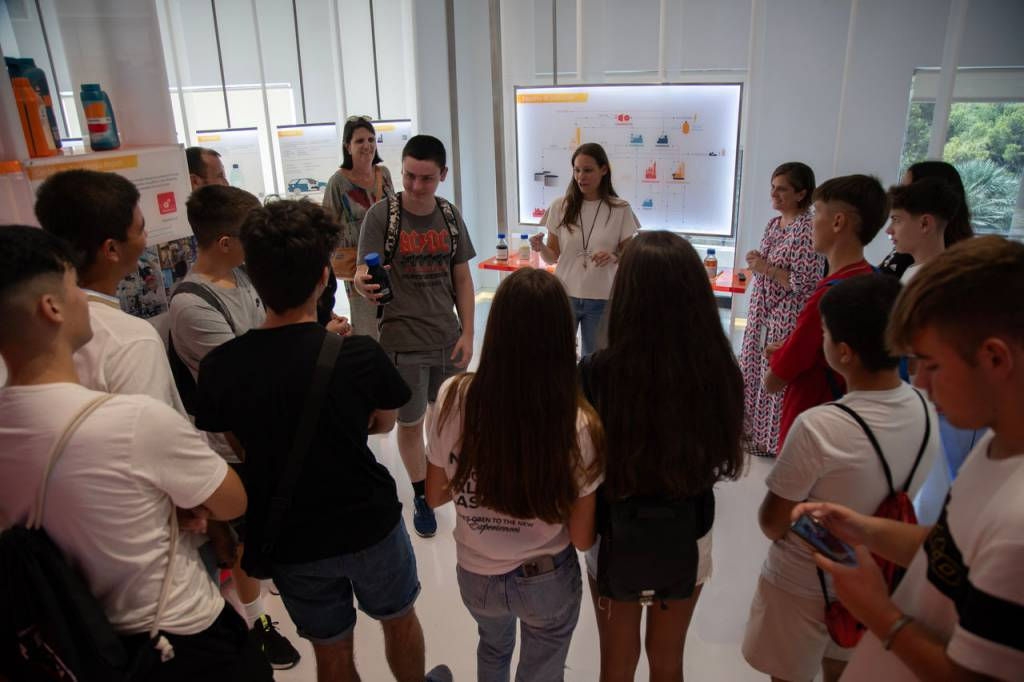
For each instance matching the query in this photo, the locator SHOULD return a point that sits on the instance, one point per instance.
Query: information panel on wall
(672, 149)
(239, 149)
(391, 138)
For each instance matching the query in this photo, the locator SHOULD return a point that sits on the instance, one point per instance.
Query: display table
(727, 282)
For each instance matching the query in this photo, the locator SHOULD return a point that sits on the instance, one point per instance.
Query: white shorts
(786, 635)
(703, 558)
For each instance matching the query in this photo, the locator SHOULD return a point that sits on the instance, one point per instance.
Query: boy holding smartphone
(828, 457)
(957, 614)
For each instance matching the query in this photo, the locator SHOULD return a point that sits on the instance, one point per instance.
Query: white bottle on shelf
(524, 248)
(502, 251)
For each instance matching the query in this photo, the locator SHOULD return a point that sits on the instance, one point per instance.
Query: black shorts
(223, 652)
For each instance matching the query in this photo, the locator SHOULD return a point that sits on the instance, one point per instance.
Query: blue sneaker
(423, 519)
(441, 673)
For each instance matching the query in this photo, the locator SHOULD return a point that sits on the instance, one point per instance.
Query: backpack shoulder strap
(924, 442)
(453, 228)
(874, 443)
(204, 292)
(394, 227)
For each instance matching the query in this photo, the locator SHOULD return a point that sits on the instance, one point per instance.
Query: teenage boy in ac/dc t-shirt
(848, 213)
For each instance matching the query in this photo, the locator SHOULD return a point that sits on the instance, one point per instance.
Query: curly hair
(287, 246)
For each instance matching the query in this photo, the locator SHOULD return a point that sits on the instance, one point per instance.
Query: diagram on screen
(672, 149)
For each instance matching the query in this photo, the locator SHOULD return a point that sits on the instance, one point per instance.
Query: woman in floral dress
(786, 270)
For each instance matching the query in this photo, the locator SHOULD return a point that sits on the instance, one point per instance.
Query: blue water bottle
(99, 117)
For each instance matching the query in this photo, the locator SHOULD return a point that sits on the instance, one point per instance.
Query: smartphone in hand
(810, 530)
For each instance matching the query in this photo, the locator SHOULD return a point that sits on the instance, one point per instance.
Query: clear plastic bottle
(235, 177)
(524, 247)
(502, 250)
(711, 264)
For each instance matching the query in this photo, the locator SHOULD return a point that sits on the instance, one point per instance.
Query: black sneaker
(278, 650)
(440, 673)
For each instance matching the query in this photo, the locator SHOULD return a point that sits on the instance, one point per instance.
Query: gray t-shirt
(422, 315)
(197, 327)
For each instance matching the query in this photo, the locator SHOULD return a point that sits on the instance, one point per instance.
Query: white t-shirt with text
(110, 497)
(966, 583)
(827, 458)
(602, 228)
(489, 542)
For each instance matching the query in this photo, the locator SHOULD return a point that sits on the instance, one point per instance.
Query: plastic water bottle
(502, 251)
(235, 177)
(99, 117)
(524, 247)
(379, 276)
(711, 264)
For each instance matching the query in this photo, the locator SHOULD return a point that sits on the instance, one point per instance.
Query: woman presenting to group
(586, 230)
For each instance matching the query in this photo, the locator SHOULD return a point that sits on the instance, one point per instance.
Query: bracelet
(903, 622)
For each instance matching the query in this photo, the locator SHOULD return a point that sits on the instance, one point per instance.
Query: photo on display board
(142, 293)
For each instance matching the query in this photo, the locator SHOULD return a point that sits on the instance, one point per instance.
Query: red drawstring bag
(844, 629)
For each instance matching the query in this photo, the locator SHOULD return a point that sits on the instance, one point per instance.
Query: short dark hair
(27, 253)
(959, 227)
(216, 210)
(856, 312)
(196, 162)
(351, 126)
(865, 195)
(86, 208)
(930, 196)
(426, 148)
(953, 293)
(800, 176)
(287, 245)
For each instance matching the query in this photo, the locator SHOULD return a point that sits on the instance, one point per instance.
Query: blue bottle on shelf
(99, 117)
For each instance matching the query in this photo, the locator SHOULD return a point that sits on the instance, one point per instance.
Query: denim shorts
(424, 372)
(318, 594)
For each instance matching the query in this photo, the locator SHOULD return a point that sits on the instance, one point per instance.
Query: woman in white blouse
(586, 230)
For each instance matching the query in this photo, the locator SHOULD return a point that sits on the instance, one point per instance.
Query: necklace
(587, 236)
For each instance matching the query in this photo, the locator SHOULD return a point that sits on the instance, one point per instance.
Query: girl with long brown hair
(586, 230)
(521, 459)
(670, 395)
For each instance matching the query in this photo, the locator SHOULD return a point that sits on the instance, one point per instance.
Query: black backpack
(51, 626)
(183, 379)
(648, 548)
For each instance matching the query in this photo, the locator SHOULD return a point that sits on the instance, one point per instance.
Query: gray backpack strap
(394, 227)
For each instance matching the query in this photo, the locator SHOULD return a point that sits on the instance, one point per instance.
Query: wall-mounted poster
(310, 154)
(239, 150)
(672, 149)
(391, 138)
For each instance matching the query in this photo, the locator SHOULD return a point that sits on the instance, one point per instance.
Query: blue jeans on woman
(548, 606)
(587, 314)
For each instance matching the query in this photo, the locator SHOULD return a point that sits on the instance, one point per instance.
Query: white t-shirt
(601, 228)
(966, 584)
(125, 355)
(489, 542)
(828, 458)
(909, 273)
(109, 497)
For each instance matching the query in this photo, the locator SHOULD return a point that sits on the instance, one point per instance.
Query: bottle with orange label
(99, 117)
(34, 122)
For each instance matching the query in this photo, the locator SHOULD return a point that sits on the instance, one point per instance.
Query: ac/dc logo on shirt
(424, 253)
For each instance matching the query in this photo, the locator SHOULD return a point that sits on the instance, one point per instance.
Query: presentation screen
(672, 149)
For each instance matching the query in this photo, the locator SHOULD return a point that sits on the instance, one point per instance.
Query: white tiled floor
(713, 644)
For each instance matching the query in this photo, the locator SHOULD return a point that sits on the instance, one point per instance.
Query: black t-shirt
(255, 386)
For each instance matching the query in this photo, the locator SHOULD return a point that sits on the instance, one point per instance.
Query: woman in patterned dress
(361, 182)
(786, 270)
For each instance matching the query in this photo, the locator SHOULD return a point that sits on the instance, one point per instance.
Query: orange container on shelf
(34, 121)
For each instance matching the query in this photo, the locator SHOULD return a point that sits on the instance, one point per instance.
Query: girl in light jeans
(524, 496)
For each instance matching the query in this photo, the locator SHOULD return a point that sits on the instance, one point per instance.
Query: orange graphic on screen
(685, 127)
(680, 172)
(652, 171)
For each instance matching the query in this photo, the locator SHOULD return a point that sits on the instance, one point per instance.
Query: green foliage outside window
(986, 145)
